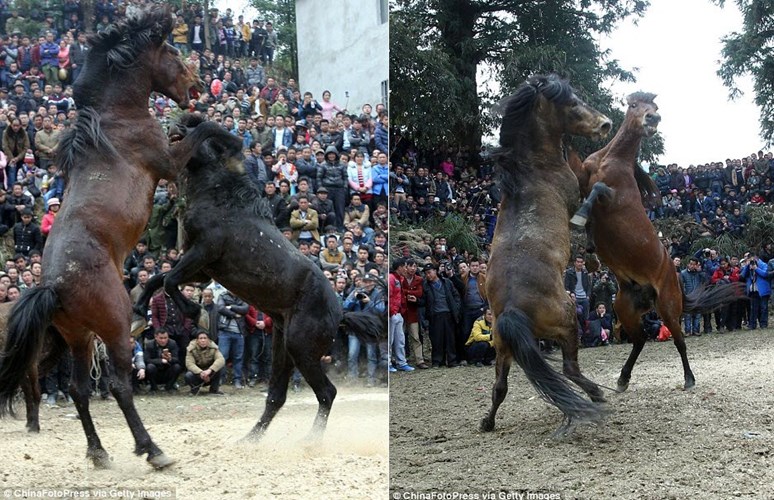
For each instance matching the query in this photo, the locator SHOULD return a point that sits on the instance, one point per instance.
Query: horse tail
(705, 299)
(27, 325)
(368, 327)
(515, 329)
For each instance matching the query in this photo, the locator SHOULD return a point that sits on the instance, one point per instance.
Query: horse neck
(128, 99)
(626, 143)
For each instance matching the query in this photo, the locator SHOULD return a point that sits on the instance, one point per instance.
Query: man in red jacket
(397, 339)
(412, 290)
(258, 346)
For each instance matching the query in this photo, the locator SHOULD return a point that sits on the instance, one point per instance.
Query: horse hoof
(689, 384)
(34, 428)
(623, 385)
(592, 263)
(578, 220)
(100, 458)
(252, 437)
(160, 461)
(138, 325)
(487, 424)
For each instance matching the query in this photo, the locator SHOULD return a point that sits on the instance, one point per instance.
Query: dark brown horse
(112, 159)
(230, 236)
(531, 244)
(626, 241)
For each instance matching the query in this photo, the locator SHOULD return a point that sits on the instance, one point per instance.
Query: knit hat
(52, 201)
(29, 158)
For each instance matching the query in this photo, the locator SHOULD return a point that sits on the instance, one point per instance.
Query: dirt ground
(659, 441)
(203, 434)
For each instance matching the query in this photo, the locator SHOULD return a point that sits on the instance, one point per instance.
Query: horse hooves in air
(578, 221)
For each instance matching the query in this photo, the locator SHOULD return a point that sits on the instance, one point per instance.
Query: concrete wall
(343, 47)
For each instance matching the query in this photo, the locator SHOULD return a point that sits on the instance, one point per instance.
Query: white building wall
(343, 47)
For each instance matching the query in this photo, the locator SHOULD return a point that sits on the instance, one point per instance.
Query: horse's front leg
(582, 216)
(140, 308)
(187, 270)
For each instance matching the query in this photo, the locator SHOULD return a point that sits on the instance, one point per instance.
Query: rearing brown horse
(112, 159)
(626, 241)
(531, 244)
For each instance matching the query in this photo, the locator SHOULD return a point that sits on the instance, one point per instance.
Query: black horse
(230, 237)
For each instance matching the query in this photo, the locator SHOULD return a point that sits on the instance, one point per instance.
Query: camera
(360, 295)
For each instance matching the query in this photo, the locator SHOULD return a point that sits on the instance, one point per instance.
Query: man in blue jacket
(755, 273)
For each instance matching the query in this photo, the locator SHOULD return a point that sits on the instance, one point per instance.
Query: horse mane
(517, 111)
(123, 42)
(81, 140)
(651, 196)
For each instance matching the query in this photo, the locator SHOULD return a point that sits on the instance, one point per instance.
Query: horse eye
(634, 105)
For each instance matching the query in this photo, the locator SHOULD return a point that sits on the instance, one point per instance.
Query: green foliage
(436, 48)
(760, 228)
(457, 231)
(749, 52)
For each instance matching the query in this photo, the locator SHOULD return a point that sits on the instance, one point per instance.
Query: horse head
(557, 108)
(218, 148)
(643, 112)
(137, 45)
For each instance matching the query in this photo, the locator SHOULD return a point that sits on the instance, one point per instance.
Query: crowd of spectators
(439, 184)
(322, 168)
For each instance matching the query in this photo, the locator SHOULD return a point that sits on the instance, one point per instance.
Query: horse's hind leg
(80, 388)
(669, 311)
(281, 367)
(571, 368)
(306, 355)
(120, 368)
(500, 388)
(31, 389)
(631, 321)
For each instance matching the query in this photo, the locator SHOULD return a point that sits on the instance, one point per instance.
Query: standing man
(231, 327)
(442, 308)
(398, 301)
(366, 298)
(576, 280)
(413, 286)
(471, 284)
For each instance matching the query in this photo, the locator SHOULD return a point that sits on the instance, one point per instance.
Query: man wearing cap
(366, 298)
(26, 234)
(442, 310)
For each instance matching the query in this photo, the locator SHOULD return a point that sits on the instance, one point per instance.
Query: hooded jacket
(332, 174)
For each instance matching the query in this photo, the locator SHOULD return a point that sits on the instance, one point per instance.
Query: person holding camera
(231, 328)
(603, 291)
(756, 276)
(692, 278)
(366, 298)
(162, 364)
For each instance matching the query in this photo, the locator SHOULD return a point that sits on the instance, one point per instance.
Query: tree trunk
(457, 19)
